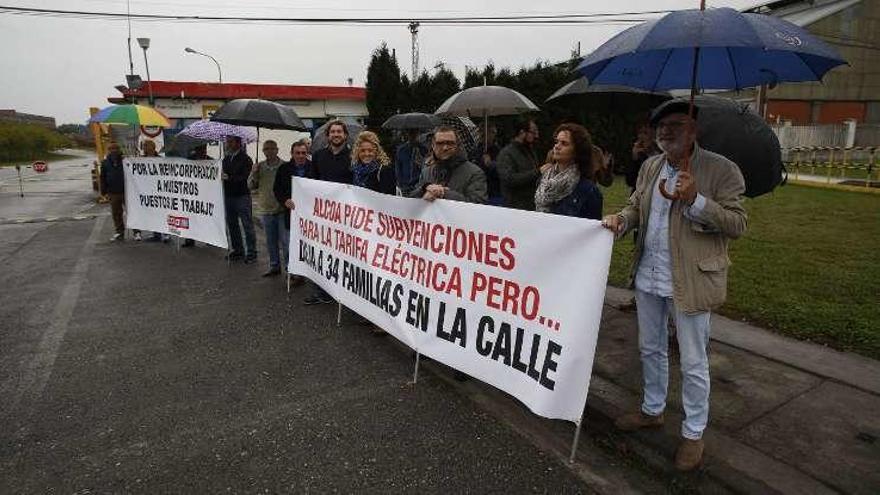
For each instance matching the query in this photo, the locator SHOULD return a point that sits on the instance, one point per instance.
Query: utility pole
(128, 16)
(414, 29)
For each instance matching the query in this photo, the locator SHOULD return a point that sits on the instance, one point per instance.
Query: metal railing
(857, 166)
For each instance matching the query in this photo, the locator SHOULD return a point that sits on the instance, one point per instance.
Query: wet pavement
(135, 367)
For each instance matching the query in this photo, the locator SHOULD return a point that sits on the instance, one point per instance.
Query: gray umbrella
(487, 101)
(259, 113)
(182, 145)
(583, 86)
(319, 141)
(415, 120)
(608, 97)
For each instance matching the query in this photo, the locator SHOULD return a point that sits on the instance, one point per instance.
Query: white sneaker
(116, 237)
(137, 236)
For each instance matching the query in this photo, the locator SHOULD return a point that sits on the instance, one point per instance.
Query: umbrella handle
(672, 196)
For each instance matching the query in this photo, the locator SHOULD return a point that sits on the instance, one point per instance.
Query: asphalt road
(135, 368)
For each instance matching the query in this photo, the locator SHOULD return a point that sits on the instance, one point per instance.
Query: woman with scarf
(371, 169)
(370, 166)
(566, 186)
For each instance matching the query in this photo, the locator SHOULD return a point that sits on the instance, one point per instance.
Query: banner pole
(338, 314)
(416, 370)
(288, 283)
(574, 443)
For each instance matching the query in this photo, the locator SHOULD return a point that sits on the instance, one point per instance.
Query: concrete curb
(730, 465)
(844, 367)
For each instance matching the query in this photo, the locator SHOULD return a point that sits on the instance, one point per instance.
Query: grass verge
(808, 266)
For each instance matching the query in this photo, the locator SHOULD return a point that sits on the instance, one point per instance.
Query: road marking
(36, 372)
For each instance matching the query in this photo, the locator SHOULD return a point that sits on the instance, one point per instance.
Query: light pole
(145, 43)
(219, 73)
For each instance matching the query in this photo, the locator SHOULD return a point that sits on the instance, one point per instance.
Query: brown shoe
(689, 455)
(637, 421)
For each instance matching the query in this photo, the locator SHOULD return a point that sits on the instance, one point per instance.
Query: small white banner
(512, 298)
(176, 196)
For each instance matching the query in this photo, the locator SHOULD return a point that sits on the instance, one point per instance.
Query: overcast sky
(61, 66)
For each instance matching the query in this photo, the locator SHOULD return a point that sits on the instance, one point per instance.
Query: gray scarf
(555, 184)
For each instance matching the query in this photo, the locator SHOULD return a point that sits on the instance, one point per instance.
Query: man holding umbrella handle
(680, 267)
(237, 167)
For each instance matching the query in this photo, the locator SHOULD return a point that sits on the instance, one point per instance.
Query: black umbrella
(732, 129)
(612, 97)
(259, 113)
(415, 120)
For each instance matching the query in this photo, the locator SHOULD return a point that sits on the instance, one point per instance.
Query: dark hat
(670, 107)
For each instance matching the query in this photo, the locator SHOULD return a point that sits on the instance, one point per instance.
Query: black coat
(332, 168)
(112, 175)
(382, 181)
(281, 188)
(238, 168)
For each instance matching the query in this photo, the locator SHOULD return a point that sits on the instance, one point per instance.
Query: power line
(595, 18)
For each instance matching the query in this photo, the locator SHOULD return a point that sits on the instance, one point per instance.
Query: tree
(383, 86)
(443, 85)
(420, 91)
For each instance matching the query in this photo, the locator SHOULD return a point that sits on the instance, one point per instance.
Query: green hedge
(26, 141)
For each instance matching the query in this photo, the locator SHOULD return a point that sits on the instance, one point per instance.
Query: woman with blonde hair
(370, 166)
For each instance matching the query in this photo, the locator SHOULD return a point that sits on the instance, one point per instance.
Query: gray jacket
(519, 175)
(465, 180)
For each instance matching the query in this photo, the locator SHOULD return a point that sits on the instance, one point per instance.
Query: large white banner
(510, 297)
(176, 196)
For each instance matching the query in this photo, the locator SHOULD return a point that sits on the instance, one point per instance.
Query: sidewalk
(786, 416)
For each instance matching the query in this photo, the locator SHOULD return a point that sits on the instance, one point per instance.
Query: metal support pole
(416, 369)
(574, 443)
(338, 315)
(288, 283)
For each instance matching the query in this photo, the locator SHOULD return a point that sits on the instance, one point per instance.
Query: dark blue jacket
(112, 175)
(238, 168)
(585, 201)
(282, 185)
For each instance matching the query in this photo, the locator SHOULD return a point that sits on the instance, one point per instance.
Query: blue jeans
(238, 209)
(276, 234)
(693, 340)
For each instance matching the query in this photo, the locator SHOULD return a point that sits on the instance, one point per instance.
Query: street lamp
(219, 74)
(145, 43)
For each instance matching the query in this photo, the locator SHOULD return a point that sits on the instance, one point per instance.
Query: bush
(27, 141)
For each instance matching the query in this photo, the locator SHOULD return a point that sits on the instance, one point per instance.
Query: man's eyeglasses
(445, 144)
(672, 126)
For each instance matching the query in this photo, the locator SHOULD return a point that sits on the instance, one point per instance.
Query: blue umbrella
(709, 49)
(734, 50)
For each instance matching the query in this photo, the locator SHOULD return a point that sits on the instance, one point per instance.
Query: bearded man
(680, 267)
